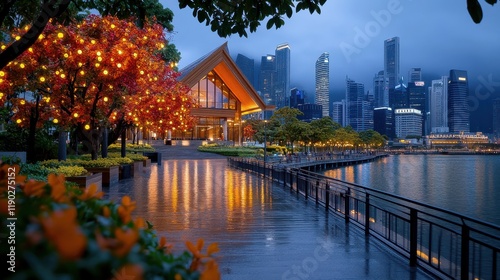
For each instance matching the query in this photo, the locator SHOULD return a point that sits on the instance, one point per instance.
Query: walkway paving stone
(263, 230)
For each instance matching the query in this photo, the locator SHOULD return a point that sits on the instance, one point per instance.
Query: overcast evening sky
(434, 35)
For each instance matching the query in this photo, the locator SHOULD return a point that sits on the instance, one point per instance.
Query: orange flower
(163, 245)
(211, 271)
(127, 239)
(125, 209)
(62, 229)
(34, 188)
(106, 212)
(91, 192)
(58, 187)
(195, 250)
(139, 223)
(129, 271)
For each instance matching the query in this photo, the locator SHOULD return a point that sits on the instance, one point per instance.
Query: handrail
(466, 247)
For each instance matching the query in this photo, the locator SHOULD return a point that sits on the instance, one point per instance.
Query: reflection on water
(468, 184)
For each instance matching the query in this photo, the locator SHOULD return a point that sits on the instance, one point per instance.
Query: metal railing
(445, 243)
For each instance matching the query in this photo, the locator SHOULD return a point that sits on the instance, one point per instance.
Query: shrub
(228, 151)
(131, 148)
(62, 232)
(69, 171)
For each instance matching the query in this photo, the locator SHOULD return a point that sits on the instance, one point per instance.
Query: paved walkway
(263, 231)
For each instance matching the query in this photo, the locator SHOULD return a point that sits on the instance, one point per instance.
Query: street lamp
(265, 140)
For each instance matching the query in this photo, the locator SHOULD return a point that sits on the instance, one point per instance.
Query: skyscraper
(338, 112)
(458, 113)
(323, 82)
(398, 96)
(408, 122)
(383, 121)
(359, 109)
(282, 85)
(415, 75)
(381, 90)
(267, 78)
(247, 67)
(297, 97)
(391, 62)
(417, 99)
(438, 105)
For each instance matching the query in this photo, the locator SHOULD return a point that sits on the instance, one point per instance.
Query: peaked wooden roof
(221, 63)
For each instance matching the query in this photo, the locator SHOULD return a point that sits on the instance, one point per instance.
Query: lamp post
(265, 139)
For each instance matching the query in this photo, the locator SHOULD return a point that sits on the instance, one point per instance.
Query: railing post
(347, 207)
(464, 272)
(306, 192)
(327, 197)
(297, 182)
(317, 187)
(413, 236)
(367, 215)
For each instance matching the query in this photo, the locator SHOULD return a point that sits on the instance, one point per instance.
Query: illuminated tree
(99, 73)
(248, 132)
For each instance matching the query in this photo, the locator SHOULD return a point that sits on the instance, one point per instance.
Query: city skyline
(428, 40)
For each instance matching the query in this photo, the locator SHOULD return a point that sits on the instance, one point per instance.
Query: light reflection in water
(466, 184)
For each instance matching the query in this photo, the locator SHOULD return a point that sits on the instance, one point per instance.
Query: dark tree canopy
(228, 17)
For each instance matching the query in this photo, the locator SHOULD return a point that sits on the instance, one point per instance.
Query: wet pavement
(263, 230)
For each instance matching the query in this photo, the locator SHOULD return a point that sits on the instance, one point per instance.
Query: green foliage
(228, 151)
(131, 148)
(69, 171)
(13, 138)
(63, 232)
(236, 17)
(34, 171)
(133, 157)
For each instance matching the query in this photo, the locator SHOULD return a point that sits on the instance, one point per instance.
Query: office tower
(408, 122)
(383, 121)
(381, 90)
(267, 78)
(417, 99)
(282, 84)
(458, 112)
(415, 75)
(438, 105)
(310, 112)
(391, 63)
(398, 96)
(338, 112)
(359, 109)
(323, 82)
(496, 117)
(297, 97)
(247, 66)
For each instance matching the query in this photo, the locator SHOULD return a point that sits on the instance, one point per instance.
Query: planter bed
(125, 171)
(146, 163)
(154, 156)
(86, 181)
(137, 168)
(110, 175)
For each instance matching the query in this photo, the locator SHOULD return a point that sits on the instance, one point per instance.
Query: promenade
(263, 230)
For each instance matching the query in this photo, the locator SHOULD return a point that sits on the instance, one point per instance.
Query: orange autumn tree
(102, 72)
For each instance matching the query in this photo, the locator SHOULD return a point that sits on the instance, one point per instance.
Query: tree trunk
(61, 153)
